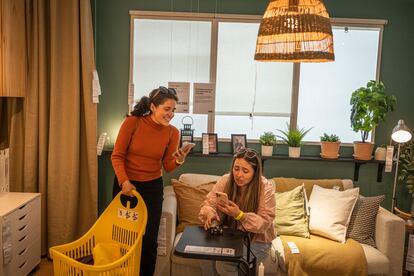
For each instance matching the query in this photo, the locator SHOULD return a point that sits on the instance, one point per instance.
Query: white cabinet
(20, 233)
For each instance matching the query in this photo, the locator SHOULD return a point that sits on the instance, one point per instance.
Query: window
(325, 88)
(252, 97)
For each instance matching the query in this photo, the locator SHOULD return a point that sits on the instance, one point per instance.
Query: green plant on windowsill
(329, 138)
(268, 139)
(293, 136)
(330, 145)
(370, 105)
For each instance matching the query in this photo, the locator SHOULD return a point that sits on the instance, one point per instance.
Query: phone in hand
(222, 198)
(187, 146)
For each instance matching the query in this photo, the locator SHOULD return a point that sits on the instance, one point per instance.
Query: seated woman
(251, 206)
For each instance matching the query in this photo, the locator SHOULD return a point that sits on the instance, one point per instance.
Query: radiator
(4, 170)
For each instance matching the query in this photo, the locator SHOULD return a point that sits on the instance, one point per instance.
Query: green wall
(112, 27)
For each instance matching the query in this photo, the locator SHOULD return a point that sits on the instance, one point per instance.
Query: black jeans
(153, 194)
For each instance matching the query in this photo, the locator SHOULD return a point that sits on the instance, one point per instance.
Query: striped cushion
(362, 225)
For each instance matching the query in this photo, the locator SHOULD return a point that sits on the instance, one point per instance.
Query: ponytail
(157, 96)
(142, 108)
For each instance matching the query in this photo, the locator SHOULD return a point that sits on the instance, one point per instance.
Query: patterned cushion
(362, 225)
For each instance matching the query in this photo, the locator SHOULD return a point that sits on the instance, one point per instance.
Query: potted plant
(370, 104)
(330, 146)
(267, 140)
(293, 137)
(381, 152)
(406, 169)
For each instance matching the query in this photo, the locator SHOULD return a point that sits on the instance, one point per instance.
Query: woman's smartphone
(222, 198)
(187, 146)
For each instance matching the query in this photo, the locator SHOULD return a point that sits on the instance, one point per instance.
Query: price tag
(388, 158)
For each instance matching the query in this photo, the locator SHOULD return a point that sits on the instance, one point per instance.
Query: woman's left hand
(230, 209)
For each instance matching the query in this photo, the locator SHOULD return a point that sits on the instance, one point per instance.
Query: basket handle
(129, 202)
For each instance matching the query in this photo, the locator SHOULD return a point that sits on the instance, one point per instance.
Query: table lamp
(400, 134)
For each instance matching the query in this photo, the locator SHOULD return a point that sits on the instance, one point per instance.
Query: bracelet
(239, 216)
(179, 162)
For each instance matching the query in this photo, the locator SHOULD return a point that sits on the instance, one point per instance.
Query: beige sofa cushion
(189, 200)
(283, 184)
(195, 179)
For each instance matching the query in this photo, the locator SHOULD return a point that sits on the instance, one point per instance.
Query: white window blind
(242, 82)
(171, 50)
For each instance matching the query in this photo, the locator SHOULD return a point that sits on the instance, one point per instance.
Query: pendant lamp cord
(171, 40)
(254, 94)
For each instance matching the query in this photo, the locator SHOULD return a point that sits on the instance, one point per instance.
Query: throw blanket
(320, 256)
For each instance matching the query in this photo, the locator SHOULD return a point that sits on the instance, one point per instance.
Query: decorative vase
(267, 150)
(380, 154)
(329, 150)
(294, 152)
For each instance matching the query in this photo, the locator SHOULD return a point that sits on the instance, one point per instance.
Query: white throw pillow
(330, 212)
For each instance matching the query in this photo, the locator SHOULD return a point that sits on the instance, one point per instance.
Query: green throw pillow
(291, 216)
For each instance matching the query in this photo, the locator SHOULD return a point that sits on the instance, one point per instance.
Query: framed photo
(210, 143)
(238, 141)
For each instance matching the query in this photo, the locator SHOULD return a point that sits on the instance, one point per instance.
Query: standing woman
(251, 206)
(146, 143)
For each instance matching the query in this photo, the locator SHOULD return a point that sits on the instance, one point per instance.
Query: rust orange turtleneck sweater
(142, 148)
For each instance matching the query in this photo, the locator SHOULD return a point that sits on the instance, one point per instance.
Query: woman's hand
(230, 209)
(209, 218)
(181, 153)
(127, 188)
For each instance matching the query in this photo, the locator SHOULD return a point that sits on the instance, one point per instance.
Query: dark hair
(157, 96)
(250, 202)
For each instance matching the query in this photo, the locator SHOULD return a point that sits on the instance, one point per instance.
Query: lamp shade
(295, 31)
(401, 133)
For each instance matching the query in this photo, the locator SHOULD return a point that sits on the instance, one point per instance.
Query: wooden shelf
(357, 163)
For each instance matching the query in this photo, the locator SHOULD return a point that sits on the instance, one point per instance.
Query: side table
(409, 229)
(196, 243)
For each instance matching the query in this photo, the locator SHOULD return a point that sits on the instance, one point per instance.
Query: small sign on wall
(203, 98)
(183, 94)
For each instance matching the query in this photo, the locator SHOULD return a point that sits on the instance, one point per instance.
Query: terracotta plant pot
(267, 150)
(363, 151)
(329, 150)
(294, 152)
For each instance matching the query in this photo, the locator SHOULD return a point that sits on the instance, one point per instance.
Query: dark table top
(197, 236)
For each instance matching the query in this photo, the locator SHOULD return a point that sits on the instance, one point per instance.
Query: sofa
(386, 259)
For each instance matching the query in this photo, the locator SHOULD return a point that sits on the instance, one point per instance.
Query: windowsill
(286, 157)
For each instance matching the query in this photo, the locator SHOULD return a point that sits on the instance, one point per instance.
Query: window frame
(215, 19)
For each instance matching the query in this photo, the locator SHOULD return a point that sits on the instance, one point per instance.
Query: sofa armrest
(166, 234)
(390, 238)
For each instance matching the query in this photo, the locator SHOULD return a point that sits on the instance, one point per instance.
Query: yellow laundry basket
(121, 225)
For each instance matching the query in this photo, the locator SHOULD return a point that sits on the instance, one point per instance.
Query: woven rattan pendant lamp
(295, 31)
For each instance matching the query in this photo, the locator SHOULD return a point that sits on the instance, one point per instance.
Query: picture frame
(238, 141)
(210, 143)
